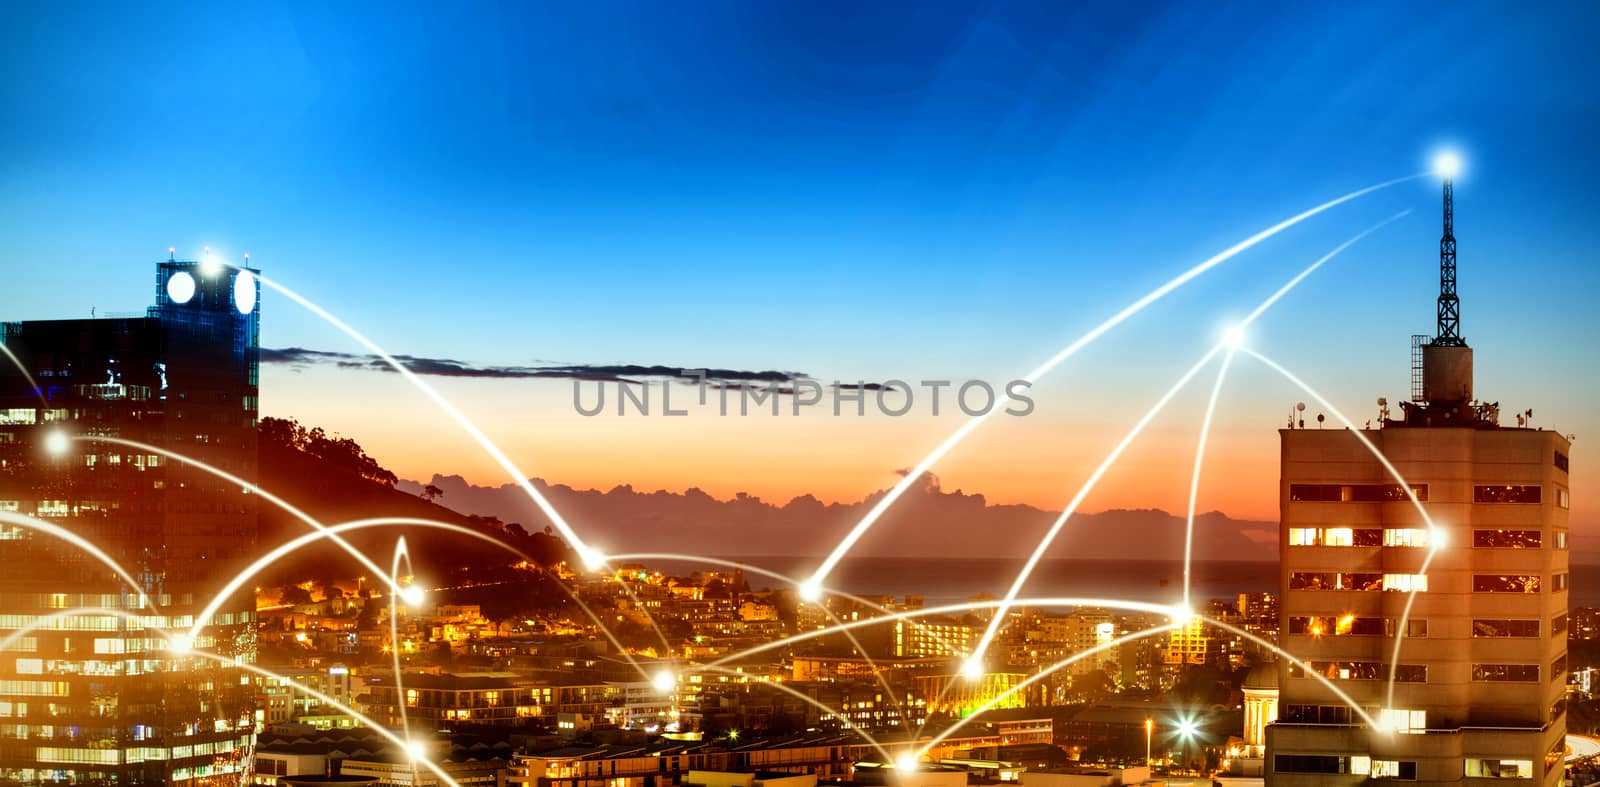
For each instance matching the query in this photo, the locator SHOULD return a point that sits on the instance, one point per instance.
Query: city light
(1447, 163)
(412, 595)
(810, 590)
(1437, 537)
(210, 266)
(180, 644)
(56, 442)
(664, 681)
(593, 559)
(906, 763)
(972, 668)
(180, 288)
(244, 292)
(1187, 728)
(416, 750)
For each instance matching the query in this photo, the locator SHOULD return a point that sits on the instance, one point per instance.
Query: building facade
(1471, 597)
(98, 698)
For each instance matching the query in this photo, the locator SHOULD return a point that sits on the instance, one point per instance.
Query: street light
(1186, 732)
(1149, 730)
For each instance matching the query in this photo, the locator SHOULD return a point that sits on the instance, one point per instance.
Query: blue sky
(856, 193)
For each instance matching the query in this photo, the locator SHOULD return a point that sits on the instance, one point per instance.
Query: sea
(953, 580)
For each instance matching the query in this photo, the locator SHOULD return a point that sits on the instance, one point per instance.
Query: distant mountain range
(926, 522)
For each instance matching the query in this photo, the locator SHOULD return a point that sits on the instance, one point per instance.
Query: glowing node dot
(810, 590)
(906, 763)
(972, 668)
(244, 292)
(1437, 537)
(1233, 337)
(1182, 616)
(181, 643)
(180, 288)
(1188, 728)
(1447, 164)
(209, 264)
(412, 595)
(416, 750)
(593, 559)
(664, 681)
(56, 442)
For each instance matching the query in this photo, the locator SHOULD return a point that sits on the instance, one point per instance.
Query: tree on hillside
(430, 493)
(341, 452)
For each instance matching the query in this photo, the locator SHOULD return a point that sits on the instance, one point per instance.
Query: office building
(98, 698)
(1474, 594)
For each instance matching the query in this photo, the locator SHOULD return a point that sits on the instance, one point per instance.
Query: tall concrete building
(1476, 692)
(95, 697)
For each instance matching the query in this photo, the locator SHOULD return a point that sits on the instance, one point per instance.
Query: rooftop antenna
(1449, 334)
(172, 254)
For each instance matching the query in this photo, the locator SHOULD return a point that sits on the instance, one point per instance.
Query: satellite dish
(1301, 406)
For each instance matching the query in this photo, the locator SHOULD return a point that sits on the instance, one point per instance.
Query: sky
(852, 193)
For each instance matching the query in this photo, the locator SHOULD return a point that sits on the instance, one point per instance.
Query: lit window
(1403, 721)
(1510, 493)
(1505, 673)
(1406, 583)
(1405, 537)
(1507, 539)
(1484, 627)
(1502, 583)
(1477, 768)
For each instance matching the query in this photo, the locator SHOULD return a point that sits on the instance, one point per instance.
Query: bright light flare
(906, 763)
(1438, 538)
(810, 590)
(412, 595)
(1233, 337)
(180, 644)
(1187, 728)
(1182, 616)
(210, 266)
(593, 559)
(664, 681)
(56, 443)
(972, 668)
(416, 750)
(1447, 163)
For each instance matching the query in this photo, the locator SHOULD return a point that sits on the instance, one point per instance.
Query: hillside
(333, 480)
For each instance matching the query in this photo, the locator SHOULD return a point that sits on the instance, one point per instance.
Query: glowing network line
(810, 588)
(287, 507)
(1230, 340)
(841, 715)
(589, 556)
(17, 362)
(1436, 535)
(1233, 339)
(57, 531)
(331, 532)
(394, 633)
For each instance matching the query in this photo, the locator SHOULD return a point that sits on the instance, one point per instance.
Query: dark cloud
(636, 374)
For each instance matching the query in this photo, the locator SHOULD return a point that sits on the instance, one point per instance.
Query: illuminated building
(438, 702)
(1187, 644)
(99, 698)
(1479, 683)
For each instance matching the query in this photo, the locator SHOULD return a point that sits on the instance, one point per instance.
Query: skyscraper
(1474, 594)
(97, 697)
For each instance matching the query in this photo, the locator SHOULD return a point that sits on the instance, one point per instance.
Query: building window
(1414, 627)
(1560, 538)
(1406, 537)
(1558, 668)
(1505, 673)
(1558, 624)
(1507, 539)
(1341, 626)
(1560, 582)
(1499, 769)
(1328, 580)
(1317, 714)
(1405, 770)
(1563, 498)
(1490, 628)
(1333, 537)
(1403, 721)
(1406, 583)
(1362, 670)
(1501, 583)
(1510, 493)
(1308, 763)
(1561, 462)
(1354, 493)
